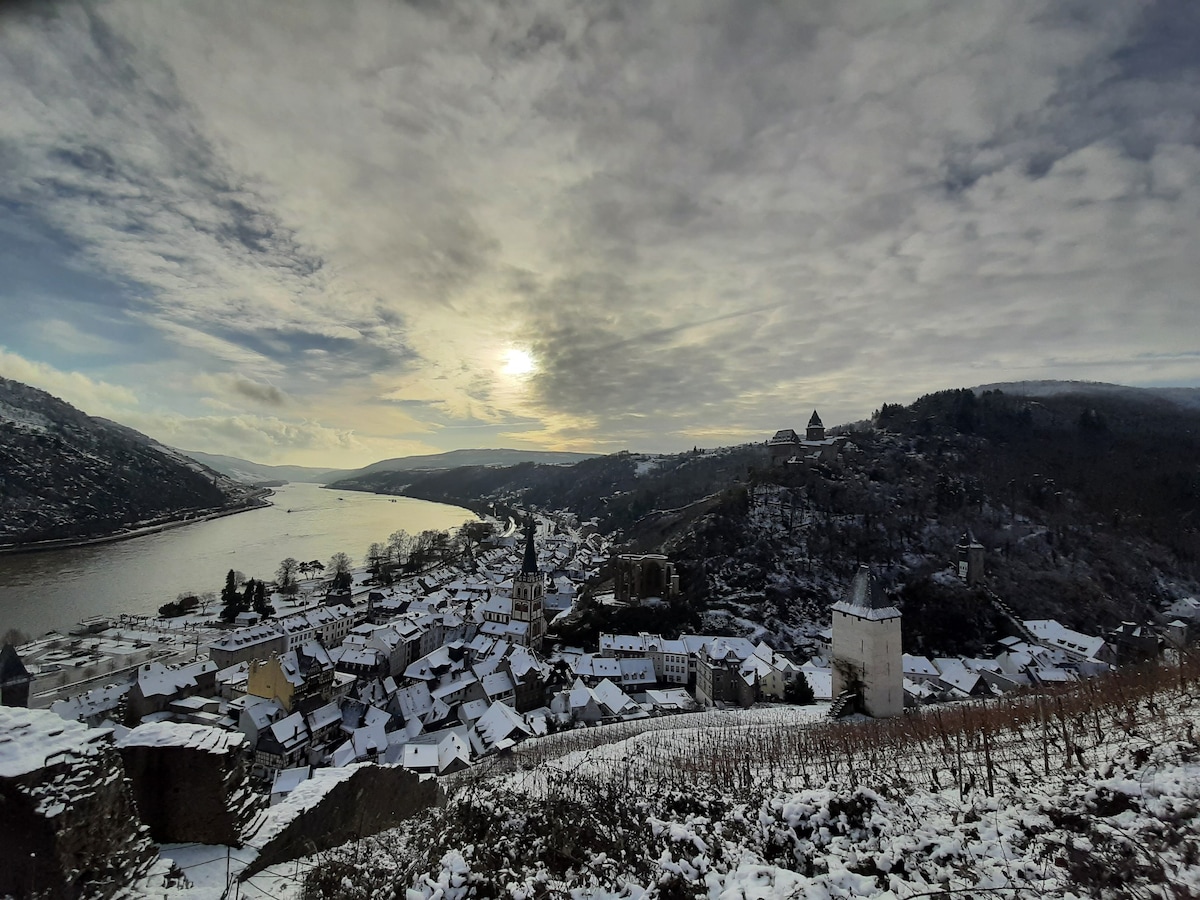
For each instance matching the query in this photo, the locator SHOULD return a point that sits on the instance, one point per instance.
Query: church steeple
(529, 595)
(816, 429)
(529, 565)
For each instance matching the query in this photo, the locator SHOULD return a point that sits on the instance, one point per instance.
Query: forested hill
(616, 491)
(65, 475)
(1088, 506)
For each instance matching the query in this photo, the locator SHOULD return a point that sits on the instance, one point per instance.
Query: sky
(331, 233)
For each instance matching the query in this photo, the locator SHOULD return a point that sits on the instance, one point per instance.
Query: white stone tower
(529, 594)
(866, 647)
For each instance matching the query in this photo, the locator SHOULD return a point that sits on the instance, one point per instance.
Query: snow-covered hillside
(65, 475)
(1093, 792)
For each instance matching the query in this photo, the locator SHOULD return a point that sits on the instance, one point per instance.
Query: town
(440, 669)
(232, 724)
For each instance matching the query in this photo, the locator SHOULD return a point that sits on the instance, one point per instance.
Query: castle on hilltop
(787, 447)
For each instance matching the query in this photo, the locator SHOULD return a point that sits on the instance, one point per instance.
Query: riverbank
(55, 589)
(258, 502)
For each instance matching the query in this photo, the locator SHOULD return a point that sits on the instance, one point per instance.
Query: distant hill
(65, 475)
(1086, 500)
(360, 479)
(257, 473)
(1186, 397)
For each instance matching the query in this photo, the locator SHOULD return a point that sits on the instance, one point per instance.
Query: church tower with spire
(529, 594)
(816, 428)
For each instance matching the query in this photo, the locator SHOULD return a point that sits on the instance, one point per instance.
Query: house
(958, 681)
(245, 644)
(1078, 646)
(867, 659)
(300, 676)
(820, 679)
(528, 675)
(255, 715)
(93, 707)
(615, 702)
(157, 686)
(578, 704)
(1133, 643)
(774, 671)
(670, 700)
(287, 781)
(918, 668)
(323, 723)
(360, 661)
(498, 729)
(720, 677)
(283, 745)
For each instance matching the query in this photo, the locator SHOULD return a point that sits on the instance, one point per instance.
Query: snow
(177, 734)
(303, 797)
(30, 739)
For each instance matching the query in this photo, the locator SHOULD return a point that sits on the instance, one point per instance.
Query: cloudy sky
(328, 233)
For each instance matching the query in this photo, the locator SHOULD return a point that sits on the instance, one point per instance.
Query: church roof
(815, 421)
(785, 436)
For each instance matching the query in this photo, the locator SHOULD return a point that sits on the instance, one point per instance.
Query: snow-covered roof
(93, 703)
(290, 731)
(1055, 634)
(499, 722)
(156, 680)
(324, 716)
(422, 757)
(263, 712)
(673, 699)
(637, 672)
(918, 665)
(472, 710)
(452, 749)
(497, 684)
(820, 680)
(615, 700)
(287, 780)
(954, 674)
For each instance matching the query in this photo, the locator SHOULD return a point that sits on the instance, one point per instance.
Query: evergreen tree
(799, 691)
(260, 600)
(231, 601)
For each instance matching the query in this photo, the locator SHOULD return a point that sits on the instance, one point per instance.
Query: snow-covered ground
(1089, 793)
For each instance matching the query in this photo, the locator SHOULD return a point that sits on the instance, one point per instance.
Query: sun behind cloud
(519, 362)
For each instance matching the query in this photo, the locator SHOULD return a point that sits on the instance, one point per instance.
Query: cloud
(93, 397)
(700, 219)
(233, 388)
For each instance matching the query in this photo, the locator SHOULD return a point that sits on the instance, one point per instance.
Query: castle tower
(816, 429)
(970, 559)
(866, 647)
(529, 594)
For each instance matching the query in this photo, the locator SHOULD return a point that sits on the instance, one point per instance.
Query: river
(49, 591)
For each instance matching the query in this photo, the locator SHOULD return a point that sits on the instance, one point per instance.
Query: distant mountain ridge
(255, 473)
(1186, 397)
(252, 472)
(67, 476)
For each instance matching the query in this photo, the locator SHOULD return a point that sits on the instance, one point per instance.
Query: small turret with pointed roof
(529, 564)
(816, 428)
